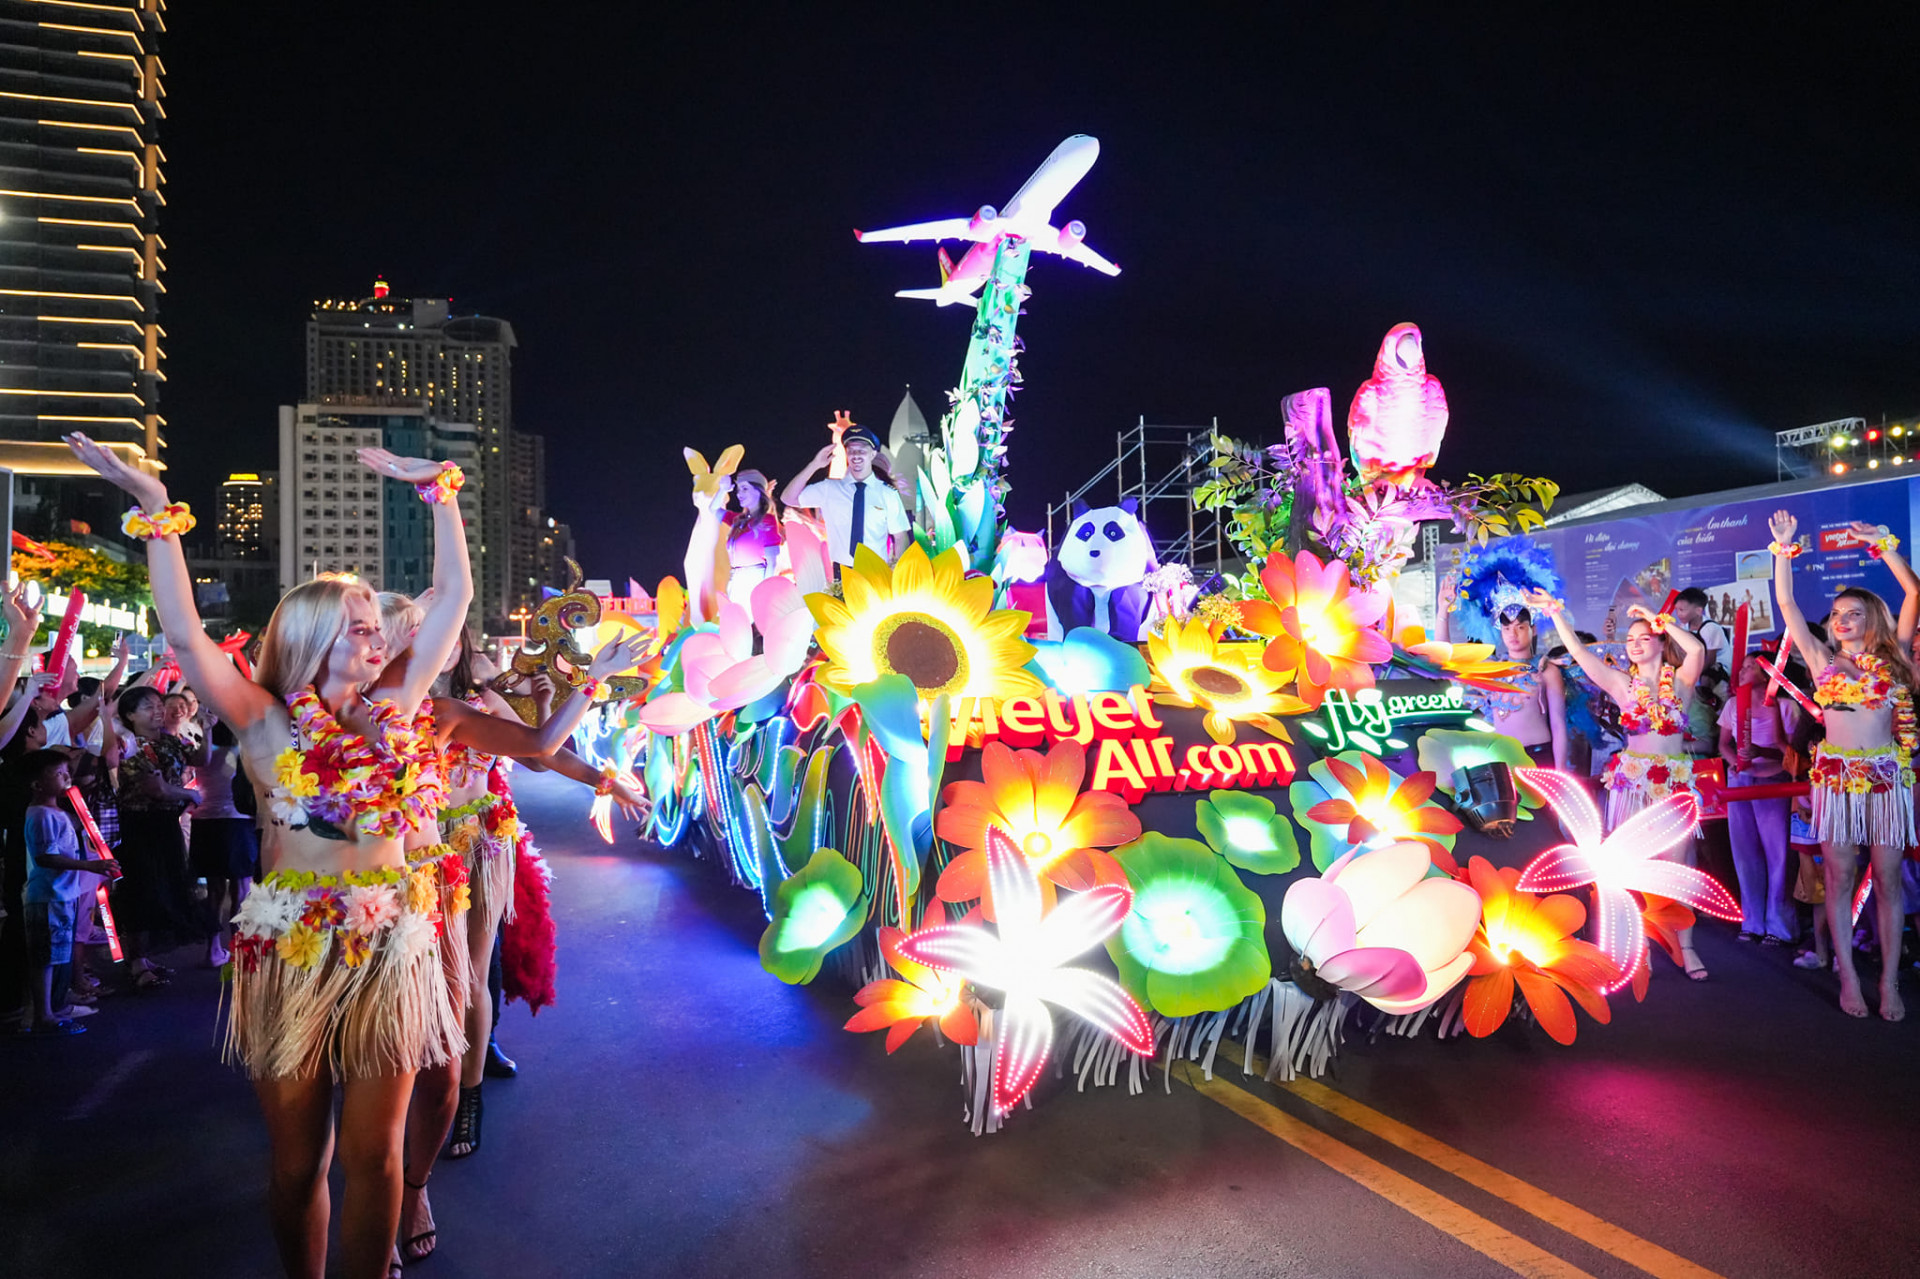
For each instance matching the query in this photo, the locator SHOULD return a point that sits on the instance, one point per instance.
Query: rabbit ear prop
(697, 463)
(729, 460)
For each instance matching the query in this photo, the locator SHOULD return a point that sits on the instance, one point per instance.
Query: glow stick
(1779, 658)
(99, 844)
(1793, 690)
(1742, 619)
(63, 643)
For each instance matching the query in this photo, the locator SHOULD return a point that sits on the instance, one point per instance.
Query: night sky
(1636, 246)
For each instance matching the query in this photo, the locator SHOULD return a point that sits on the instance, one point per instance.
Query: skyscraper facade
(528, 525)
(457, 369)
(337, 516)
(81, 101)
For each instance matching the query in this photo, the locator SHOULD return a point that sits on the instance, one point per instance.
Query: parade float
(1256, 809)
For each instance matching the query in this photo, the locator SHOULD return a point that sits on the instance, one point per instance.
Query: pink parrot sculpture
(1399, 415)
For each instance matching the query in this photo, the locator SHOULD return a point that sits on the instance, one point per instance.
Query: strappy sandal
(410, 1250)
(394, 1270)
(1695, 969)
(464, 1140)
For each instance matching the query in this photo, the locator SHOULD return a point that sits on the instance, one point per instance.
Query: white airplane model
(1028, 215)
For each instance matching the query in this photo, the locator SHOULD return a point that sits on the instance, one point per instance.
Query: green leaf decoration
(1195, 940)
(809, 816)
(815, 910)
(1248, 831)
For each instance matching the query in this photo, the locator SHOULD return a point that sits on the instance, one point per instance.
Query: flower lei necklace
(332, 780)
(1649, 714)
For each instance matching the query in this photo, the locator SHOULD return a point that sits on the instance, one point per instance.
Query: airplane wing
(1083, 255)
(944, 229)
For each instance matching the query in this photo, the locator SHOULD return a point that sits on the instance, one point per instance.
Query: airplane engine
(1073, 232)
(984, 218)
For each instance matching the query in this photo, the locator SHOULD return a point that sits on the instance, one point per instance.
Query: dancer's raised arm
(1610, 681)
(497, 735)
(1695, 648)
(1812, 651)
(1885, 547)
(234, 698)
(446, 610)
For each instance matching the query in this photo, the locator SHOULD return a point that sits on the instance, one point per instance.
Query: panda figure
(1095, 578)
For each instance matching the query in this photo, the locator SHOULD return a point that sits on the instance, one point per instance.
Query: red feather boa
(528, 963)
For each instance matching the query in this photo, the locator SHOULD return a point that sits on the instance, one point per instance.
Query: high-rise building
(529, 522)
(458, 369)
(80, 106)
(337, 516)
(249, 524)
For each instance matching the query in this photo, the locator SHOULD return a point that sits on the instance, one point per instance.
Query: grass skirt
(450, 881)
(1635, 779)
(486, 844)
(341, 972)
(1862, 797)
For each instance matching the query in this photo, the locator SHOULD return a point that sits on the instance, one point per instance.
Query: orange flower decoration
(1036, 800)
(1528, 941)
(902, 1007)
(1664, 919)
(1323, 630)
(1466, 663)
(1375, 806)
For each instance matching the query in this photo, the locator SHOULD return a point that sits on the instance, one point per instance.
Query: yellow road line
(1470, 1228)
(1556, 1212)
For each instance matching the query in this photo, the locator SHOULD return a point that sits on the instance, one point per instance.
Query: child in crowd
(56, 881)
(1810, 887)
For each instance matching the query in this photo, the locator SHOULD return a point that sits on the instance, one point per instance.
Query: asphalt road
(681, 1113)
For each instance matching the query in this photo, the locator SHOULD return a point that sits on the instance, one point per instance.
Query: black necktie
(857, 531)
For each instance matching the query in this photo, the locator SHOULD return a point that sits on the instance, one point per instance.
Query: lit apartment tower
(529, 523)
(80, 107)
(383, 350)
(249, 525)
(336, 516)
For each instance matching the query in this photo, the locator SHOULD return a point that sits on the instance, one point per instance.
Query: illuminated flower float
(1323, 628)
(1352, 801)
(1527, 942)
(1227, 681)
(1089, 856)
(1035, 801)
(925, 619)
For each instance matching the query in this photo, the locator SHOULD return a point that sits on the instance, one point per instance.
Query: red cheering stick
(1742, 619)
(63, 642)
(1779, 659)
(1673, 597)
(1793, 690)
(99, 844)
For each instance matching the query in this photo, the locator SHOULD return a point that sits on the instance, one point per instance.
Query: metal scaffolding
(1159, 467)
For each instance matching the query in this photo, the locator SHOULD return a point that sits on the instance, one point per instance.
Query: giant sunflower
(1227, 681)
(927, 620)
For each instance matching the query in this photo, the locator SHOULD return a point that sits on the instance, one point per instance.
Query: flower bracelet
(173, 520)
(1786, 550)
(443, 487)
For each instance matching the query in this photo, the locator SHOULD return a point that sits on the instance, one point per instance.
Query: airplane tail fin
(946, 266)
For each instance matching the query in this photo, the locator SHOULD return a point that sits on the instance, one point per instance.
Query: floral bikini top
(331, 780)
(1651, 712)
(1871, 690)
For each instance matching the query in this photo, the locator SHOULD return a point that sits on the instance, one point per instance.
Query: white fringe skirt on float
(1635, 779)
(484, 832)
(1863, 797)
(341, 971)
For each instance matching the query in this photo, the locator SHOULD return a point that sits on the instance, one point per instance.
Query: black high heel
(464, 1140)
(410, 1249)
